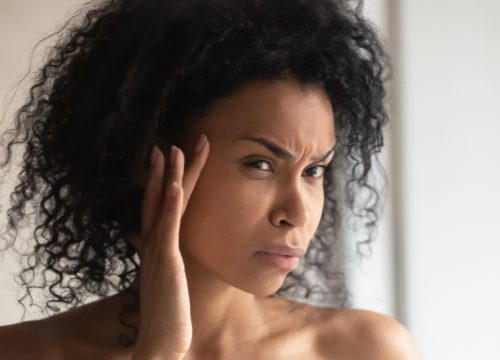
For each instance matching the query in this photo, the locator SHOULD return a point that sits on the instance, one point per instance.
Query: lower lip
(280, 261)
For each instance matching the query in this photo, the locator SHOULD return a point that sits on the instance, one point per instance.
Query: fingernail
(154, 155)
(172, 153)
(201, 143)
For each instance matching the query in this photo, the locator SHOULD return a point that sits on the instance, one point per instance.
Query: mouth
(284, 262)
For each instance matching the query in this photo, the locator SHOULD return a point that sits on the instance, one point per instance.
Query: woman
(181, 153)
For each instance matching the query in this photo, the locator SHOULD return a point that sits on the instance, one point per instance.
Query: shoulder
(28, 340)
(362, 334)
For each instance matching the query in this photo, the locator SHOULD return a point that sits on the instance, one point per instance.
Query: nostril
(285, 222)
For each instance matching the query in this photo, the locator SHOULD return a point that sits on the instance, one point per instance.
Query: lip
(284, 250)
(283, 262)
(284, 257)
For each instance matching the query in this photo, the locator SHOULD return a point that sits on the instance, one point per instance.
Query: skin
(264, 203)
(235, 197)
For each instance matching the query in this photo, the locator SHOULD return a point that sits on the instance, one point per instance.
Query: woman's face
(248, 197)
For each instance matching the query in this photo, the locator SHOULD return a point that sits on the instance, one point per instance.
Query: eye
(315, 171)
(322, 169)
(252, 164)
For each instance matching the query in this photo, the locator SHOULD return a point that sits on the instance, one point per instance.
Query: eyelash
(250, 164)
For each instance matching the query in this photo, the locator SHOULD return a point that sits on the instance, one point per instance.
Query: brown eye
(315, 171)
(258, 164)
(319, 173)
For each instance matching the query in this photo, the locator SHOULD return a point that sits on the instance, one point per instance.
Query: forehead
(283, 108)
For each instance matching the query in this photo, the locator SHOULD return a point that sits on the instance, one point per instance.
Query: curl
(132, 74)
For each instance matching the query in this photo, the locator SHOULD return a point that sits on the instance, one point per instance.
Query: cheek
(230, 213)
(317, 212)
(222, 216)
(317, 201)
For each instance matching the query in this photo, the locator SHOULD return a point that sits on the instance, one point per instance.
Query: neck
(223, 317)
(221, 314)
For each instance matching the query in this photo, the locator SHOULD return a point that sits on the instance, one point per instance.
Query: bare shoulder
(28, 340)
(85, 332)
(363, 334)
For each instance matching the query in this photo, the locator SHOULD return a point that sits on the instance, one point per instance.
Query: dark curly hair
(128, 74)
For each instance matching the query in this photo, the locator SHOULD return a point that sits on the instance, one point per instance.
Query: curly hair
(126, 75)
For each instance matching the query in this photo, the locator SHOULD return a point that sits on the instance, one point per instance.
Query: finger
(177, 161)
(152, 193)
(171, 212)
(193, 171)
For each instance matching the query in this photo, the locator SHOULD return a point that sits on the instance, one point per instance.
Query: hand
(165, 330)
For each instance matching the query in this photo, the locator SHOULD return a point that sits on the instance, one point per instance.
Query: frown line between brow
(281, 152)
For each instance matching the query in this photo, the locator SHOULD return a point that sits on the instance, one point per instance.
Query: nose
(292, 211)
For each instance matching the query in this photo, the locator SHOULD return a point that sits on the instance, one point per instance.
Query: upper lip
(284, 250)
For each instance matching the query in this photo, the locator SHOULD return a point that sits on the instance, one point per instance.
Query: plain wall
(448, 85)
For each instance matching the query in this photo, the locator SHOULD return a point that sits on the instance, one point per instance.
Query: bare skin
(89, 332)
(245, 198)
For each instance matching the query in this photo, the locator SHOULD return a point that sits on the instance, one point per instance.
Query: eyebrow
(283, 153)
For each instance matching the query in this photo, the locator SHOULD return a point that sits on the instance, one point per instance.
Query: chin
(268, 293)
(264, 287)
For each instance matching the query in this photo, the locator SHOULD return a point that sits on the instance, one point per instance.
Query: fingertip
(182, 157)
(153, 157)
(202, 140)
(157, 165)
(173, 153)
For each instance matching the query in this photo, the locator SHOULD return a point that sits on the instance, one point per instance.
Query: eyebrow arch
(282, 153)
